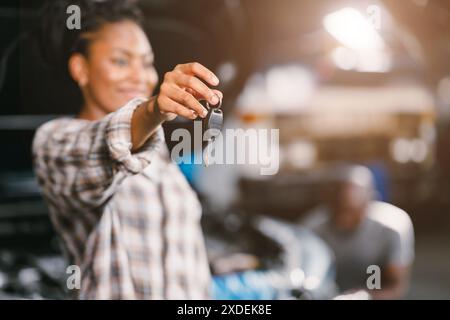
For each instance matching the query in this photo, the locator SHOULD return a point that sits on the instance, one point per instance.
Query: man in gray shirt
(365, 235)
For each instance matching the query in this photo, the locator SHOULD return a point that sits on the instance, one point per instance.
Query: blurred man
(366, 235)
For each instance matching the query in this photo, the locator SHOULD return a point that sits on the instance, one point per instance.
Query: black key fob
(212, 125)
(213, 120)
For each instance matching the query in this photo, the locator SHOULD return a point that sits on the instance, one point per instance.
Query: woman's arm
(84, 162)
(179, 95)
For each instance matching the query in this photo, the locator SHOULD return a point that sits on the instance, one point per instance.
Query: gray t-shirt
(385, 237)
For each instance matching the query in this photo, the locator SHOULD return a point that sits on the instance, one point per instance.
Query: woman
(126, 215)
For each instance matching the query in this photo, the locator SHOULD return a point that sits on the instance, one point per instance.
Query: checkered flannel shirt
(130, 221)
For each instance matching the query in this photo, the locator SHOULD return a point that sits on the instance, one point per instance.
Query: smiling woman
(126, 214)
(117, 68)
(108, 59)
(68, 52)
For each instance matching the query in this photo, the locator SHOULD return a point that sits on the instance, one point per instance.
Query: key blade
(207, 152)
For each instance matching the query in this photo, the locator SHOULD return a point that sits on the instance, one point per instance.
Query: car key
(212, 125)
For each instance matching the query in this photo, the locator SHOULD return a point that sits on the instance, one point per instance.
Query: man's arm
(394, 283)
(395, 273)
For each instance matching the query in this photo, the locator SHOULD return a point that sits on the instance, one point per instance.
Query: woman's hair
(58, 42)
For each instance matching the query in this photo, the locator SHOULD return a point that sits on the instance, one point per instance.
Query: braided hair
(58, 43)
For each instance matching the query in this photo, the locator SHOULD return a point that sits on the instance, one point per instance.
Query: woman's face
(118, 67)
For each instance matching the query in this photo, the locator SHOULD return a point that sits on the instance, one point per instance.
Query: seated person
(364, 232)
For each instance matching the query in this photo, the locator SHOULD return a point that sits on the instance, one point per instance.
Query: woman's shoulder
(57, 129)
(61, 125)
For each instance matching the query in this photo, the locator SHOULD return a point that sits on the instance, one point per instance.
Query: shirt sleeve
(85, 161)
(400, 250)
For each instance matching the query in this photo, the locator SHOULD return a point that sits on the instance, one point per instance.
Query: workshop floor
(431, 274)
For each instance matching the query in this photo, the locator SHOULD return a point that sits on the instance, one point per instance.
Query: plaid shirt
(130, 221)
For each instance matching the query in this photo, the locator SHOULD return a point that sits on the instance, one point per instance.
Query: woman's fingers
(199, 97)
(168, 105)
(183, 98)
(183, 87)
(198, 70)
(219, 93)
(201, 89)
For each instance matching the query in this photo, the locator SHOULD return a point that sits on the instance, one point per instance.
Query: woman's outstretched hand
(182, 89)
(179, 95)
